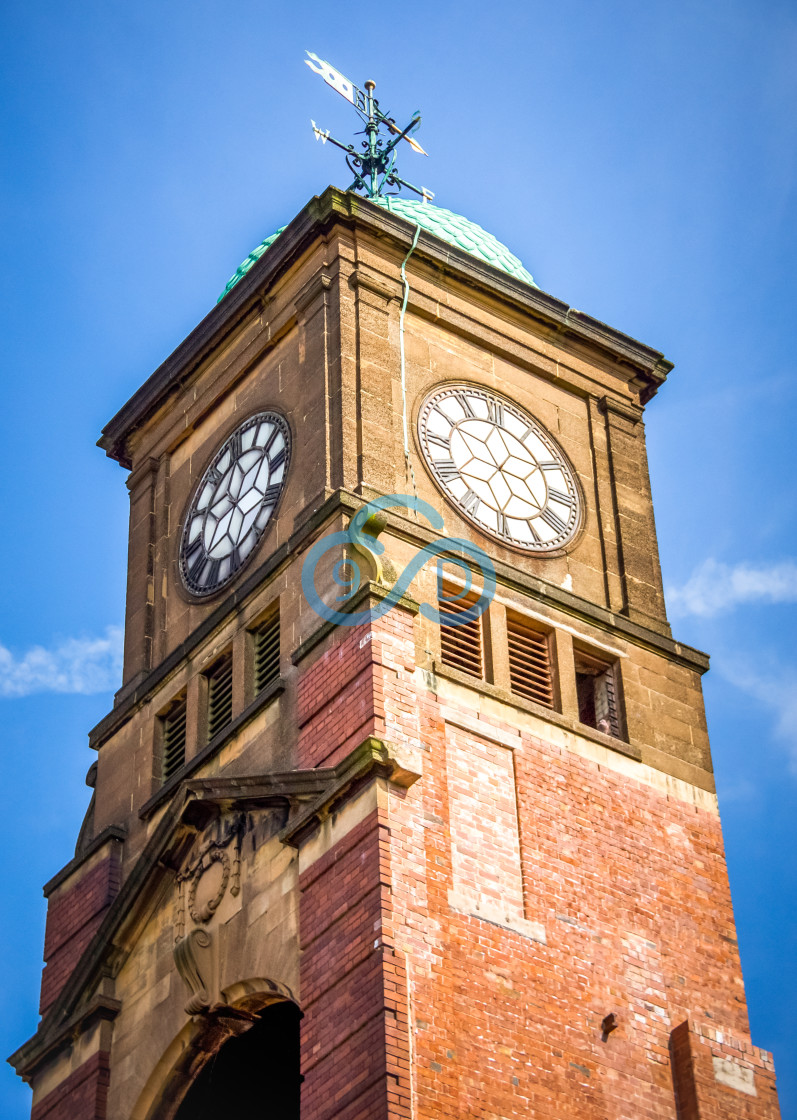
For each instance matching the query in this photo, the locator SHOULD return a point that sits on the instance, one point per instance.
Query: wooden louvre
(173, 725)
(530, 671)
(461, 645)
(267, 652)
(219, 695)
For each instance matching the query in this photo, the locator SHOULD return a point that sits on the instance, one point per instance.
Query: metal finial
(374, 168)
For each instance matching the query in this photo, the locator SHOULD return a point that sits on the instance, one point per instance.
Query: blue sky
(639, 158)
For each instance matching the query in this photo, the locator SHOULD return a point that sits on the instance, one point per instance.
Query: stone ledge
(137, 691)
(27, 1059)
(539, 710)
(371, 759)
(112, 832)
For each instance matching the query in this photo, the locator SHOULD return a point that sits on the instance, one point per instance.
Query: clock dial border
(563, 541)
(281, 425)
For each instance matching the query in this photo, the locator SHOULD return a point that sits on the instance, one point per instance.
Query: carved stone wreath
(206, 912)
(224, 849)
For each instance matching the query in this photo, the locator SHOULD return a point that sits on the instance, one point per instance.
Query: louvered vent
(173, 728)
(529, 662)
(267, 653)
(461, 645)
(219, 695)
(597, 694)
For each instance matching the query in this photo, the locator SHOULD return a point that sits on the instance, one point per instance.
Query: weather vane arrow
(374, 166)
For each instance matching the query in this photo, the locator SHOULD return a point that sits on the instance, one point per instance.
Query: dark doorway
(254, 1075)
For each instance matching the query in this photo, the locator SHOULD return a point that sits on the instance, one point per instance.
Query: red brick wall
(74, 913)
(631, 887)
(354, 1035)
(699, 1092)
(341, 696)
(522, 895)
(83, 1095)
(337, 703)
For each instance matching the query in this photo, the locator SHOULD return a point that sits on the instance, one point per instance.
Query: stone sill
(539, 710)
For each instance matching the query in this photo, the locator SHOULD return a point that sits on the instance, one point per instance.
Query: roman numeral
(278, 459)
(528, 432)
(211, 573)
(503, 525)
(557, 496)
(495, 413)
(438, 441)
(235, 445)
(466, 405)
(470, 501)
(550, 466)
(272, 493)
(534, 534)
(194, 554)
(447, 469)
(271, 438)
(550, 518)
(214, 476)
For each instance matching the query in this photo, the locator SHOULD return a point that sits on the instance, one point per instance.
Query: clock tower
(376, 832)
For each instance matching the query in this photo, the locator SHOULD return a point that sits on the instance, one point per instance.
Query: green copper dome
(444, 224)
(458, 231)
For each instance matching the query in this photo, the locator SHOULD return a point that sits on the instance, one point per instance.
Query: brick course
(74, 913)
(83, 1095)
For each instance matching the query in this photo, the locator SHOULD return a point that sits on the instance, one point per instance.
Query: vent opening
(461, 644)
(266, 640)
(219, 680)
(173, 726)
(530, 670)
(597, 694)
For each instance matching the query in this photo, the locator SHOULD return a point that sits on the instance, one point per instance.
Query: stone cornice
(318, 217)
(113, 832)
(28, 1058)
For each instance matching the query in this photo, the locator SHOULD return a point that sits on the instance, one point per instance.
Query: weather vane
(373, 168)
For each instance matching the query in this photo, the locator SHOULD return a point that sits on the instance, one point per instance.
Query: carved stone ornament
(193, 957)
(222, 848)
(195, 952)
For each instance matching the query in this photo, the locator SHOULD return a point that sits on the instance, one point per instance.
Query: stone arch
(201, 1040)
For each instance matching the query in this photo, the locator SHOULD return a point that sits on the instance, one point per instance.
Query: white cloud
(78, 665)
(776, 691)
(714, 588)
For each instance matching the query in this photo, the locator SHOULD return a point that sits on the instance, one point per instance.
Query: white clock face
(502, 470)
(234, 503)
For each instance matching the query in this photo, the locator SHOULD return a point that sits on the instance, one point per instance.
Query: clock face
(234, 503)
(502, 470)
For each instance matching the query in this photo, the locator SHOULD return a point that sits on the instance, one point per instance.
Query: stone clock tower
(420, 862)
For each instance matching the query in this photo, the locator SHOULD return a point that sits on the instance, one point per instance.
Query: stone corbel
(360, 279)
(316, 286)
(193, 956)
(626, 409)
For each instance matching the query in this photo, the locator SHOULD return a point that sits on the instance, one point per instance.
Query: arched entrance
(254, 1074)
